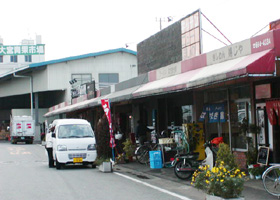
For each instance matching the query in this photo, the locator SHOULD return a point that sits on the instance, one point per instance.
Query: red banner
(273, 111)
(106, 107)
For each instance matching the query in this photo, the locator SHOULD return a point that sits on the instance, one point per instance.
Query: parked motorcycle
(186, 164)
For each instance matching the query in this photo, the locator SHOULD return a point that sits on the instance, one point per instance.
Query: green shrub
(225, 155)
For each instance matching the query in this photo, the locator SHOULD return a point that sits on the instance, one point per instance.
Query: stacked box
(155, 159)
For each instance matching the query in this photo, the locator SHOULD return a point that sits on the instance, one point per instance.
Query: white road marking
(154, 187)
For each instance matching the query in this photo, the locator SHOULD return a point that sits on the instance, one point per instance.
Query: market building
(32, 89)
(218, 89)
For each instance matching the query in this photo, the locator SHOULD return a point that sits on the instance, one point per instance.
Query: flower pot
(212, 197)
(252, 176)
(106, 167)
(258, 177)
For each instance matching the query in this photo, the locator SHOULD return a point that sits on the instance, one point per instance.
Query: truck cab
(73, 143)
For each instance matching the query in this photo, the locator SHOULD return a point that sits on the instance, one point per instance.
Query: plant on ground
(219, 181)
(103, 138)
(225, 155)
(129, 148)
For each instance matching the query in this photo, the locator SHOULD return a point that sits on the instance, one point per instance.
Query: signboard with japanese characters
(190, 30)
(229, 52)
(215, 113)
(22, 49)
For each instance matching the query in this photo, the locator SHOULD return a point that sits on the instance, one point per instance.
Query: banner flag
(106, 107)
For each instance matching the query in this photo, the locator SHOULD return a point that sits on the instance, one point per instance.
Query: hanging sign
(106, 107)
(215, 112)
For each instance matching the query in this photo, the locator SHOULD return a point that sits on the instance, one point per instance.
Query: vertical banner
(106, 107)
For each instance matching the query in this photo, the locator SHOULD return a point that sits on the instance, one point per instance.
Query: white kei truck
(22, 129)
(73, 142)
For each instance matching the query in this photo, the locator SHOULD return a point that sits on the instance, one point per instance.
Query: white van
(73, 143)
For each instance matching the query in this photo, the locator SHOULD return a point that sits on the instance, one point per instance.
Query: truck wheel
(57, 164)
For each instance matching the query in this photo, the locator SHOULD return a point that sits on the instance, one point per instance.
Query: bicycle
(142, 152)
(271, 180)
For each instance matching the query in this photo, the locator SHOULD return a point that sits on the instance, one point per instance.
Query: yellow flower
(232, 176)
(206, 181)
(217, 179)
(222, 180)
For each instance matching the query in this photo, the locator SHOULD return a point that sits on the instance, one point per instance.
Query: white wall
(7, 65)
(60, 74)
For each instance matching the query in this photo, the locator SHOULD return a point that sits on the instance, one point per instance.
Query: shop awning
(261, 63)
(114, 97)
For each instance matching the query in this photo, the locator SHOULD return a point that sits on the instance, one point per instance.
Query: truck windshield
(75, 131)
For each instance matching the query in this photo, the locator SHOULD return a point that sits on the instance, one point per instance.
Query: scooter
(186, 164)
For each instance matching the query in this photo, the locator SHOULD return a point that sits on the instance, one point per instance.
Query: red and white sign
(190, 33)
(19, 125)
(106, 107)
(28, 126)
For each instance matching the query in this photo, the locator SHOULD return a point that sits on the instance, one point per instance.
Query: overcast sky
(71, 27)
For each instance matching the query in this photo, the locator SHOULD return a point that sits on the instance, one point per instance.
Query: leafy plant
(100, 160)
(257, 170)
(129, 148)
(225, 156)
(252, 153)
(220, 181)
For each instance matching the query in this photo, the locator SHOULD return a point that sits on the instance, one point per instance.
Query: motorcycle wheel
(184, 175)
(142, 155)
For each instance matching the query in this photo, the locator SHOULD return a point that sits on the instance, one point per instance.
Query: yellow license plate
(77, 160)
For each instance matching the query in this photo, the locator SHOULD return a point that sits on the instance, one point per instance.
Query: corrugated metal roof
(82, 56)
(41, 64)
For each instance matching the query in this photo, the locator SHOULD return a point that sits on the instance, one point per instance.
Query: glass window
(28, 58)
(241, 109)
(187, 114)
(81, 78)
(75, 131)
(107, 79)
(1, 59)
(14, 58)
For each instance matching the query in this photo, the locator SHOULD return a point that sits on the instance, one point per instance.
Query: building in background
(68, 80)
(16, 56)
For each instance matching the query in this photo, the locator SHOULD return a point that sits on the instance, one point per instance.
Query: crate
(156, 164)
(155, 159)
(165, 140)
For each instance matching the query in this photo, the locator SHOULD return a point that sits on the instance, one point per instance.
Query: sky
(71, 27)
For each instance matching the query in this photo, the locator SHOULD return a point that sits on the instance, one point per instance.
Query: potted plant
(104, 164)
(220, 182)
(256, 171)
(129, 149)
(224, 180)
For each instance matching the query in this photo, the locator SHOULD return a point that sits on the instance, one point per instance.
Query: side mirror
(53, 135)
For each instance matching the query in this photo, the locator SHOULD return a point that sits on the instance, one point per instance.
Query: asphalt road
(24, 175)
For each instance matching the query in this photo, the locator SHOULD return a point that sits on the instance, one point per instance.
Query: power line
(216, 28)
(214, 36)
(259, 31)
